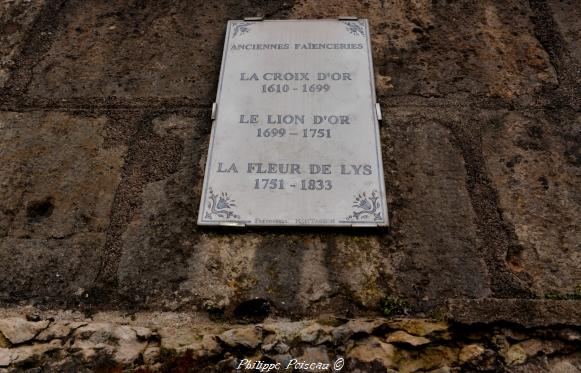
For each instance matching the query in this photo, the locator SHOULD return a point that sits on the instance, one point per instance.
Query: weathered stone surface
(359, 326)
(281, 348)
(284, 332)
(98, 45)
(244, 266)
(316, 284)
(5, 357)
(18, 330)
(16, 20)
(315, 355)
(23, 354)
(569, 364)
(281, 259)
(4, 343)
(470, 352)
(179, 340)
(58, 174)
(316, 333)
(210, 345)
(419, 327)
(529, 160)
(229, 269)
(143, 333)
(570, 335)
(434, 223)
(130, 346)
(564, 366)
(402, 337)
(59, 178)
(95, 333)
(566, 15)
(151, 226)
(441, 370)
(60, 267)
(120, 343)
(533, 347)
(529, 313)
(428, 359)
(424, 48)
(248, 337)
(155, 227)
(59, 330)
(361, 272)
(373, 349)
(151, 355)
(515, 355)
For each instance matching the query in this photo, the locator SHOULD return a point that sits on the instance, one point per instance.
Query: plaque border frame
(206, 189)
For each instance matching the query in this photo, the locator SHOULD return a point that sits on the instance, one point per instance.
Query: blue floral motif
(366, 207)
(241, 28)
(355, 28)
(220, 205)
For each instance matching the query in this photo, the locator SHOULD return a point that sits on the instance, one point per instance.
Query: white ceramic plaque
(295, 138)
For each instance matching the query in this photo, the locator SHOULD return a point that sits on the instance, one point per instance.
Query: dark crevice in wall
(38, 41)
(150, 158)
(548, 34)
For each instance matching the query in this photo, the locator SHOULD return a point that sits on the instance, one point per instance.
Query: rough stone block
(436, 251)
(567, 14)
(58, 179)
(533, 162)
(457, 49)
(53, 270)
(18, 330)
(529, 313)
(16, 19)
(57, 174)
(154, 229)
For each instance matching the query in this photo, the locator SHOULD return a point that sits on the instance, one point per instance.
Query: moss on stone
(391, 305)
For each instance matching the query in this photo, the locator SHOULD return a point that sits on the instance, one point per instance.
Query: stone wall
(104, 127)
(109, 342)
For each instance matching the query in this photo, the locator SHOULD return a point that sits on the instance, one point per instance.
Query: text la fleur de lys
(296, 168)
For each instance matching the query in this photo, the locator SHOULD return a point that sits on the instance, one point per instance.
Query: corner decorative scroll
(366, 207)
(355, 28)
(241, 28)
(220, 205)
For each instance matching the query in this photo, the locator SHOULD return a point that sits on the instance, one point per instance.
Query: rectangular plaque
(295, 138)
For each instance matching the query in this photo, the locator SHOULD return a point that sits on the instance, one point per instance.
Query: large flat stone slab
(49, 270)
(59, 174)
(533, 161)
(484, 48)
(437, 252)
(155, 220)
